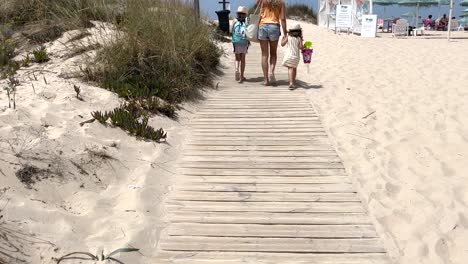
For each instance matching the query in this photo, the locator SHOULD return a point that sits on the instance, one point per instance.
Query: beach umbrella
(418, 3)
(464, 3)
(410, 15)
(441, 3)
(385, 3)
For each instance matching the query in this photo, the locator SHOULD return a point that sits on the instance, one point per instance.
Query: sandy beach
(396, 111)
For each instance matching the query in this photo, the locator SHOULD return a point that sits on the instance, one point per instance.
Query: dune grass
(164, 51)
(301, 12)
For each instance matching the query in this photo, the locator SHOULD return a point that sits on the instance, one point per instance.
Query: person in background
(292, 55)
(444, 21)
(427, 22)
(272, 19)
(240, 42)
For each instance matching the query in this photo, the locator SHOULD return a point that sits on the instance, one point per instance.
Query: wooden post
(450, 20)
(196, 7)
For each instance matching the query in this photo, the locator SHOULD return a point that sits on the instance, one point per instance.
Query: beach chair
(455, 26)
(400, 28)
(380, 23)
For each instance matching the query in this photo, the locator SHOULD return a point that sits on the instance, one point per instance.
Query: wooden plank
(262, 179)
(254, 115)
(289, 231)
(272, 207)
(260, 159)
(255, 119)
(285, 245)
(253, 153)
(255, 111)
(210, 257)
(261, 125)
(317, 138)
(259, 134)
(270, 218)
(263, 197)
(264, 172)
(261, 148)
(293, 188)
(272, 166)
(319, 141)
(258, 107)
(258, 130)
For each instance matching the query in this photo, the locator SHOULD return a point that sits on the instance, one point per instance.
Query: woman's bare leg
(264, 47)
(273, 56)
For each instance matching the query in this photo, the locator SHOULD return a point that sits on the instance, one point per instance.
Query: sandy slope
(397, 110)
(104, 188)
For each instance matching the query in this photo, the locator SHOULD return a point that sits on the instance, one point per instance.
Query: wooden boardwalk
(260, 183)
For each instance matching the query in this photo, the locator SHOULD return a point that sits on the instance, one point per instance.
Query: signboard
(369, 26)
(343, 16)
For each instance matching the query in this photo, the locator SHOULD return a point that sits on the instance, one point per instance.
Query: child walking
(240, 42)
(292, 54)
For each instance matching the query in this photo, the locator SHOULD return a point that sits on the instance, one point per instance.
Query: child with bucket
(240, 42)
(292, 54)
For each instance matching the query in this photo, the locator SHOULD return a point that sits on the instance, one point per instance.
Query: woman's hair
(296, 33)
(273, 3)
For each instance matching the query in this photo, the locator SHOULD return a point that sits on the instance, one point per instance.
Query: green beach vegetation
(161, 56)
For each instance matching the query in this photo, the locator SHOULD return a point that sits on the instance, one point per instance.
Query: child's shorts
(240, 49)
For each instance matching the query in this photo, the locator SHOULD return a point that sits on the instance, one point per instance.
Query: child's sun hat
(242, 10)
(295, 27)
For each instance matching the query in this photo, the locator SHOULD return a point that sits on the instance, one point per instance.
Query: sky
(210, 6)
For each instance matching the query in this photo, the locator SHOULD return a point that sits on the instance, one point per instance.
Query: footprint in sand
(446, 170)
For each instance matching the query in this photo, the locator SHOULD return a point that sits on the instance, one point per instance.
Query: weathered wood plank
(252, 165)
(264, 172)
(271, 218)
(263, 197)
(251, 153)
(285, 245)
(207, 257)
(256, 230)
(262, 179)
(319, 141)
(259, 134)
(262, 148)
(257, 159)
(294, 188)
(272, 207)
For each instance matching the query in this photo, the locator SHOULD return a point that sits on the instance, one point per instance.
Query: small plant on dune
(100, 117)
(26, 61)
(7, 50)
(41, 55)
(78, 92)
(97, 257)
(131, 118)
(11, 91)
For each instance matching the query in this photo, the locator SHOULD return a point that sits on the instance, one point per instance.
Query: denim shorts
(271, 32)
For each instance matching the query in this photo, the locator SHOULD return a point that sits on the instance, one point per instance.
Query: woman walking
(272, 15)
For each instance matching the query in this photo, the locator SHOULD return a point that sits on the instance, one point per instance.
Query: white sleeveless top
(292, 54)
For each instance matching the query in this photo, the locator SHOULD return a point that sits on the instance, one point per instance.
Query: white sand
(410, 157)
(89, 203)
